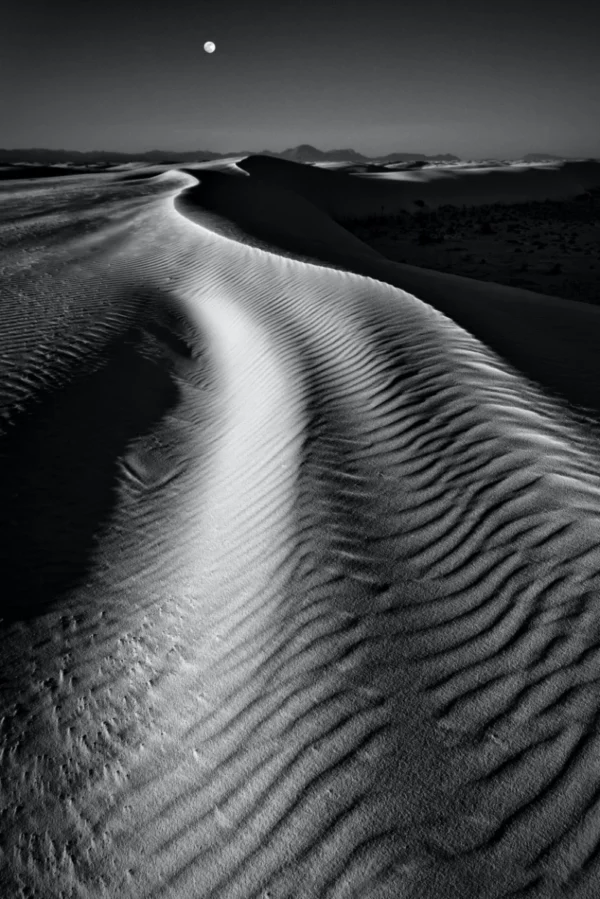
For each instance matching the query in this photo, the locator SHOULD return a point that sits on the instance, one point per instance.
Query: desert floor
(552, 247)
(300, 544)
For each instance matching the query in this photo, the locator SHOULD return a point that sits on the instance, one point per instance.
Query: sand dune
(301, 549)
(363, 195)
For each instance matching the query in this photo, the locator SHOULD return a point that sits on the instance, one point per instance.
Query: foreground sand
(300, 569)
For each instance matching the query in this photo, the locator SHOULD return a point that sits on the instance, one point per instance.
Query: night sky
(477, 79)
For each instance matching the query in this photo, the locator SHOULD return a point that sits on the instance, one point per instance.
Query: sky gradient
(469, 78)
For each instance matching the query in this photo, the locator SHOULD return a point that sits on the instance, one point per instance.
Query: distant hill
(307, 153)
(302, 153)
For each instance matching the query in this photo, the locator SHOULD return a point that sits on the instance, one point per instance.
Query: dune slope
(301, 573)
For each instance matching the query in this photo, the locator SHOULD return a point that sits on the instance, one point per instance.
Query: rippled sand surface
(300, 551)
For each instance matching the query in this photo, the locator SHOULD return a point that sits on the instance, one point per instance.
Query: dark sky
(473, 78)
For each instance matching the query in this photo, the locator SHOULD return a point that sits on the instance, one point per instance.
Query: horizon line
(285, 149)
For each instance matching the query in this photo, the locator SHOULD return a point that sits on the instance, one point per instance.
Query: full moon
(209, 47)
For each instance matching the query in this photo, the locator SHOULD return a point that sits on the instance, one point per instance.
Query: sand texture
(300, 545)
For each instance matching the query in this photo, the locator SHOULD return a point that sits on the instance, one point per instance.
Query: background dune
(302, 548)
(363, 195)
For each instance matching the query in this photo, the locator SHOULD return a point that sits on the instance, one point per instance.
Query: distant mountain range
(306, 153)
(302, 153)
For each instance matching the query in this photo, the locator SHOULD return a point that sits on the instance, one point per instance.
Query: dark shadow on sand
(252, 211)
(59, 471)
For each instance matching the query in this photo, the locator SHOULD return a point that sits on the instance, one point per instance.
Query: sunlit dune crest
(301, 545)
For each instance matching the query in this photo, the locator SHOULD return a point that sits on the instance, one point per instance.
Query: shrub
(427, 237)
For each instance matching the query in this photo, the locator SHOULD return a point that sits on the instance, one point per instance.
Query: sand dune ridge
(335, 632)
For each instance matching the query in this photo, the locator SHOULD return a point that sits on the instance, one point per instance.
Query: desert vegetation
(551, 247)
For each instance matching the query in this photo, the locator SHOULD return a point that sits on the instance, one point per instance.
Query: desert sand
(300, 543)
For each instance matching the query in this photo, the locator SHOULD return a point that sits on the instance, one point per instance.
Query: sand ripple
(301, 576)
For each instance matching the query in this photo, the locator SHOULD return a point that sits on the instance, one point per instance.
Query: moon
(209, 47)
